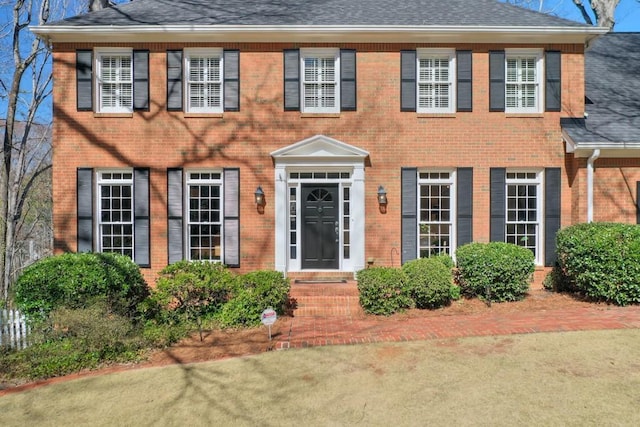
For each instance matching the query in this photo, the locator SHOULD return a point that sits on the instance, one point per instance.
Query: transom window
(320, 85)
(115, 212)
(204, 216)
(523, 81)
(204, 80)
(524, 210)
(115, 81)
(436, 71)
(436, 213)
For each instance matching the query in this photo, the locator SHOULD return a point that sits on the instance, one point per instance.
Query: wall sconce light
(259, 197)
(382, 199)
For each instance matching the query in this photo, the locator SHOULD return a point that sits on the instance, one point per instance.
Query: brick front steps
(323, 298)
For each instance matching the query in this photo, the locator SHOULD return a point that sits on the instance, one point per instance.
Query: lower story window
(523, 210)
(204, 216)
(436, 213)
(115, 212)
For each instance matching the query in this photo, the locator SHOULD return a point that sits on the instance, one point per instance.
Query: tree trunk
(604, 10)
(97, 5)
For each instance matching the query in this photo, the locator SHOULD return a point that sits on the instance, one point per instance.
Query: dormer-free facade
(315, 139)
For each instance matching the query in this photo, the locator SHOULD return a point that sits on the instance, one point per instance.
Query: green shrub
(445, 259)
(495, 271)
(383, 291)
(258, 290)
(75, 280)
(601, 261)
(428, 281)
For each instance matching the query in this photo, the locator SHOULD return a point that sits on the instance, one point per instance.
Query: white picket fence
(13, 329)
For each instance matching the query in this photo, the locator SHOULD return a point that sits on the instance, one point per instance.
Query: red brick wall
(159, 139)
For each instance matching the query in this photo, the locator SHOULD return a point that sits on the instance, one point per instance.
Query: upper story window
(203, 83)
(435, 80)
(523, 81)
(320, 80)
(114, 80)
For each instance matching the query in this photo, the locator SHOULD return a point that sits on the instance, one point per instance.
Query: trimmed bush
(383, 290)
(601, 261)
(428, 281)
(76, 280)
(258, 290)
(495, 271)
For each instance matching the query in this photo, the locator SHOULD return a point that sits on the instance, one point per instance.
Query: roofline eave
(315, 33)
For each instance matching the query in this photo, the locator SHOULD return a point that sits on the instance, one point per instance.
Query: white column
(358, 218)
(590, 169)
(281, 219)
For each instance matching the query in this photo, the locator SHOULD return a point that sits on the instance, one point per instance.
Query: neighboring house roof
(612, 85)
(294, 16)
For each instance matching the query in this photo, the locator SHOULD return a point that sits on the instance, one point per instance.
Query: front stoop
(325, 299)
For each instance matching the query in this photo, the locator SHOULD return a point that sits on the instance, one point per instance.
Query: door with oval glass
(320, 226)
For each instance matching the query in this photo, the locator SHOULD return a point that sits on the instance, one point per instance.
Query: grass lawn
(573, 378)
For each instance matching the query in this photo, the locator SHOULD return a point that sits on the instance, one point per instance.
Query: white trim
(538, 55)
(540, 199)
(99, 182)
(450, 54)
(590, 175)
(101, 52)
(209, 53)
(319, 54)
(452, 181)
(186, 203)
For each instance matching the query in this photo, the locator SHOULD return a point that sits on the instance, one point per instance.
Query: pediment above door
(319, 148)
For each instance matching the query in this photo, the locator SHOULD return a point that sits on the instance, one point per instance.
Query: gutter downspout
(590, 169)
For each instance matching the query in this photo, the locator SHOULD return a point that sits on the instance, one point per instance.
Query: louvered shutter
(84, 80)
(348, 97)
(231, 80)
(497, 178)
(175, 230)
(231, 217)
(552, 209)
(464, 206)
(292, 80)
(141, 80)
(141, 220)
(496, 80)
(84, 184)
(174, 80)
(409, 203)
(464, 80)
(553, 84)
(408, 89)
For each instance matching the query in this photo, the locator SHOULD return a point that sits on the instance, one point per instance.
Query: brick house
(318, 138)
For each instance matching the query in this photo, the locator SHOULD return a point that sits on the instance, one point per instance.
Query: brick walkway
(329, 314)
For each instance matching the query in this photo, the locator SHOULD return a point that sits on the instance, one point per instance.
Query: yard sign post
(268, 318)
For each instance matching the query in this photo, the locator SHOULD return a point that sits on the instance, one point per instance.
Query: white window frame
(451, 181)
(218, 251)
(102, 181)
(423, 80)
(519, 83)
(119, 81)
(538, 181)
(188, 83)
(320, 54)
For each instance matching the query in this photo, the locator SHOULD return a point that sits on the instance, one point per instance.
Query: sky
(627, 20)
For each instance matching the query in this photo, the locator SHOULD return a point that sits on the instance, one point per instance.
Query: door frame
(332, 239)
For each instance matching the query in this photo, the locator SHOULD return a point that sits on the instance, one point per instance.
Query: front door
(320, 226)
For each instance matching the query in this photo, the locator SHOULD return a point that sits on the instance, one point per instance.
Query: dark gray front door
(320, 226)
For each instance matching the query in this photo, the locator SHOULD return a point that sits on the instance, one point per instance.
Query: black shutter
(84, 80)
(292, 80)
(496, 80)
(84, 184)
(141, 223)
(553, 84)
(552, 209)
(498, 201)
(231, 80)
(408, 80)
(348, 98)
(231, 217)
(174, 80)
(141, 80)
(409, 203)
(174, 214)
(464, 80)
(465, 206)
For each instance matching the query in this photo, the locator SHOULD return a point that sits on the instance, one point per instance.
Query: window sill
(524, 115)
(113, 115)
(436, 115)
(320, 115)
(203, 115)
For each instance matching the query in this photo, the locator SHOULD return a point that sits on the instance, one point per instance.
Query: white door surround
(319, 160)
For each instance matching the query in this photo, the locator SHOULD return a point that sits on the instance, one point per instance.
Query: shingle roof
(483, 13)
(613, 92)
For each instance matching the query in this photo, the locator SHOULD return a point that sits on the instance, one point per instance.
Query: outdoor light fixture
(259, 197)
(382, 196)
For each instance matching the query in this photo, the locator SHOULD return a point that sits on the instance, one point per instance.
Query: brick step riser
(326, 300)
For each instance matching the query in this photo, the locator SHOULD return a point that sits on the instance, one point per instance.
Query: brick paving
(329, 314)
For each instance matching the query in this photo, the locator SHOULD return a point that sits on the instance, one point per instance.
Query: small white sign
(269, 317)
